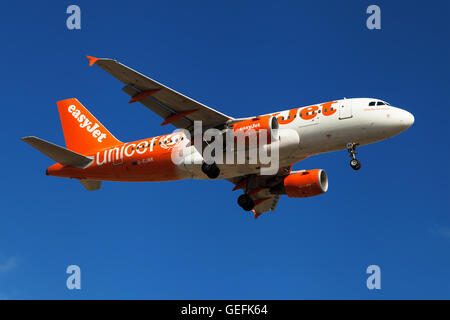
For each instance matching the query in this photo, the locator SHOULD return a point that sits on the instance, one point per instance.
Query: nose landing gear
(354, 163)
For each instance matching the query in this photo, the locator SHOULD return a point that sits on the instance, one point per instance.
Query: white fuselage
(354, 121)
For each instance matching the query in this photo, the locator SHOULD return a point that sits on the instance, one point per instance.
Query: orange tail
(83, 133)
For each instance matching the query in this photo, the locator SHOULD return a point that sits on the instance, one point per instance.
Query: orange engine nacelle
(267, 124)
(306, 183)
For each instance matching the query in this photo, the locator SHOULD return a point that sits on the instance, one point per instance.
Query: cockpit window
(380, 103)
(371, 103)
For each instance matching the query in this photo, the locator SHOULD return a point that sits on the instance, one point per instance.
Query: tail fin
(57, 153)
(82, 131)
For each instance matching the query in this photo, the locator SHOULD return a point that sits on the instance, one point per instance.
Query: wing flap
(157, 108)
(265, 203)
(258, 187)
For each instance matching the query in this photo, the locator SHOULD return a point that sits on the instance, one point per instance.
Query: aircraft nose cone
(406, 119)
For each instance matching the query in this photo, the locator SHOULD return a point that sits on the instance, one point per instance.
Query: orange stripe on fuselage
(141, 160)
(306, 113)
(152, 160)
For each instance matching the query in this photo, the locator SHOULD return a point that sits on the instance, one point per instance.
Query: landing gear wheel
(245, 202)
(211, 170)
(355, 164)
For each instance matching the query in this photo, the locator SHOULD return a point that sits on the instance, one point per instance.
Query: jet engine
(303, 184)
(257, 125)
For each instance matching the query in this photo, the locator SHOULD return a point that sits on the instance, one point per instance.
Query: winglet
(92, 60)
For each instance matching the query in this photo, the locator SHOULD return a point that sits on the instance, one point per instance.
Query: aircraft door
(345, 109)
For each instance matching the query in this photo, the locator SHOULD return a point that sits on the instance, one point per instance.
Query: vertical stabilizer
(82, 131)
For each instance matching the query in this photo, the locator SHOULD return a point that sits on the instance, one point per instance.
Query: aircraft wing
(172, 106)
(257, 186)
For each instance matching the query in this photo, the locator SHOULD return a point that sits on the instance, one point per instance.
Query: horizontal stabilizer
(57, 153)
(91, 185)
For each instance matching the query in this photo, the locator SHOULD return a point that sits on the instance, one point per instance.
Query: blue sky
(189, 239)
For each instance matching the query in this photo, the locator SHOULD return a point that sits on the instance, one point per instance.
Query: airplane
(92, 154)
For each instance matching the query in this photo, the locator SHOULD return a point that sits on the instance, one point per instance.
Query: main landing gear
(211, 170)
(354, 163)
(246, 202)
